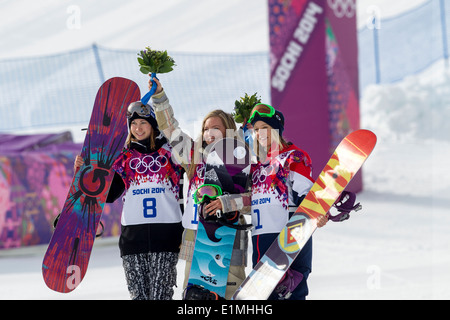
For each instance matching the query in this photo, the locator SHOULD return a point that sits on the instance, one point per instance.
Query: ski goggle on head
(264, 110)
(142, 110)
(205, 191)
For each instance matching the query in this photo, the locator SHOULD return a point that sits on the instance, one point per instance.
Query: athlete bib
(152, 187)
(273, 185)
(150, 202)
(190, 216)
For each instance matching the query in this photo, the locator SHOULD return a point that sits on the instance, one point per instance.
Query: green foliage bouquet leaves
(153, 61)
(244, 106)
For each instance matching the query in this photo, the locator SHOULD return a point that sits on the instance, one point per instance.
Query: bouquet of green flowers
(153, 61)
(243, 107)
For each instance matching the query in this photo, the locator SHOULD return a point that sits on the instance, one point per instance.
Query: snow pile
(398, 247)
(410, 120)
(418, 108)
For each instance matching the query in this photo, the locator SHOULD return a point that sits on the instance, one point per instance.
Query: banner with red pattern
(314, 73)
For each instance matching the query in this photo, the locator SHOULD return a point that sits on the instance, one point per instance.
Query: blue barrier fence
(59, 90)
(393, 48)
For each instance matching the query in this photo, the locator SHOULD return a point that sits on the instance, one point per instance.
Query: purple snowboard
(67, 257)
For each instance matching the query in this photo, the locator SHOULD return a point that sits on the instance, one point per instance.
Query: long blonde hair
(278, 143)
(199, 145)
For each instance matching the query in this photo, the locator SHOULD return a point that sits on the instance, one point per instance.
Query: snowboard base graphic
(345, 162)
(227, 166)
(67, 257)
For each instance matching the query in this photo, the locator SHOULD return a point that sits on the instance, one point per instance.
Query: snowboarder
(275, 274)
(151, 218)
(216, 125)
(280, 180)
(67, 257)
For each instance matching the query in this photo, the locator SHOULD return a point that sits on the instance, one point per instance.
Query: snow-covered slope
(30, 28)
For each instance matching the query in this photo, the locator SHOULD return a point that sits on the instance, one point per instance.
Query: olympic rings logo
(260, 175)
(343, 8)
(148, 163)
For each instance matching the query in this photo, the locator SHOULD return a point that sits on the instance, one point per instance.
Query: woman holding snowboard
(151, 218)
(190, 154)
(280, 180)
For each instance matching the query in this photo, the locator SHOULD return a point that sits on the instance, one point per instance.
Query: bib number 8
(149, 205)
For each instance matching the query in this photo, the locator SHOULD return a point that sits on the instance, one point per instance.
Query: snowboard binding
(196, 292)
(288, 283)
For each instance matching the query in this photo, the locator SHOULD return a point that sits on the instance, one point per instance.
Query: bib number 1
(258, 219)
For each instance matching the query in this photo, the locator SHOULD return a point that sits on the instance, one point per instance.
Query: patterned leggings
(151, 276)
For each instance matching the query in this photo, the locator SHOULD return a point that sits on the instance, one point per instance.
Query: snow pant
(151, 276)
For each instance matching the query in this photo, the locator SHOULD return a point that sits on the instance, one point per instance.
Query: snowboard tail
(345, 162)
(67, 257)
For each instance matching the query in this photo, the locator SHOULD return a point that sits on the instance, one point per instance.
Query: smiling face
(141, 129)
(213, 130)
(263, 133)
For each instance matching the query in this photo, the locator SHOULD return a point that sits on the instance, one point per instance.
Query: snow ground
(396, 248)
(31, 28)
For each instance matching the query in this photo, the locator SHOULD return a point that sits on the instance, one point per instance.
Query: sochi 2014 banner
(314, 73)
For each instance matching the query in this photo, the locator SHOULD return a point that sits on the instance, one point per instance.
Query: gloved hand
(345, 204)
